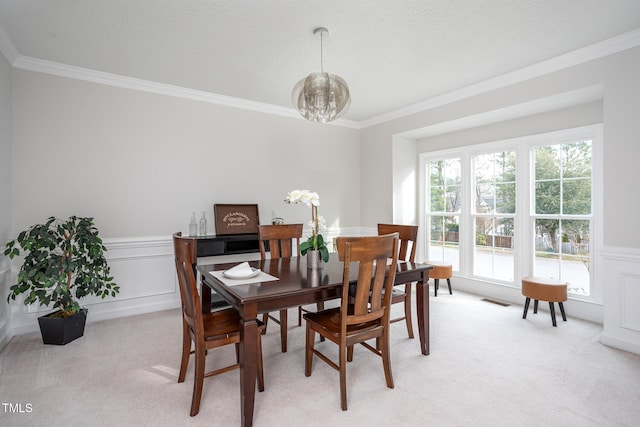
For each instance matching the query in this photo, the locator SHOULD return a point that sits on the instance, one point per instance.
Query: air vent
(492, 301)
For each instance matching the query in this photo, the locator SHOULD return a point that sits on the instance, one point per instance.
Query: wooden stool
(540, 288)
(440, 270)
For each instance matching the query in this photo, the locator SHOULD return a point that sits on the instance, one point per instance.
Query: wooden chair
(402, 293)
(206, 331)
(364, 310)
(280, 239)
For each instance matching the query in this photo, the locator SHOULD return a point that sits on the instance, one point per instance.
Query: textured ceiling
(391, 53)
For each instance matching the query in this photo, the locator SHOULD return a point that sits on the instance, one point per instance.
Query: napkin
(242, 269)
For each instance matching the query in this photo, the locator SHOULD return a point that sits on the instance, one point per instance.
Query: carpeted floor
(487, 367)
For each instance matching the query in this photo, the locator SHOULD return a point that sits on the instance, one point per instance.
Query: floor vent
(492, 301)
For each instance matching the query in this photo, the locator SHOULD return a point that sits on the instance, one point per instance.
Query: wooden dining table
(295, 285)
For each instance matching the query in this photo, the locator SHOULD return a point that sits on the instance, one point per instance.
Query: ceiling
(393, 54)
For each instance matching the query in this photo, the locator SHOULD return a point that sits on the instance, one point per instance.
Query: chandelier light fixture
(321, 97)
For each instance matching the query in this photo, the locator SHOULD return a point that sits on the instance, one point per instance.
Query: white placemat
(261, 277)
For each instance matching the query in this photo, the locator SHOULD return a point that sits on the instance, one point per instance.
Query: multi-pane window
(494, 215)
(445, 203)
(562, 213)
(501, 211)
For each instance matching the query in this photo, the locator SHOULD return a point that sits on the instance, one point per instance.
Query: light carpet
(487, 367)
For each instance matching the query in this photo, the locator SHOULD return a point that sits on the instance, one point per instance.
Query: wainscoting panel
(621, 298)
(145, 271)
(143, 268)
(630, 292)
(5, 283)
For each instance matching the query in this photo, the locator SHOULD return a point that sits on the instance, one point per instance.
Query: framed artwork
(236, 219)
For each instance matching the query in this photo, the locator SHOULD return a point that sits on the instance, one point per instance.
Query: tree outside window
(562, 211)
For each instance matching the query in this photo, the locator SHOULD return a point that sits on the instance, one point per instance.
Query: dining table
(284, 283)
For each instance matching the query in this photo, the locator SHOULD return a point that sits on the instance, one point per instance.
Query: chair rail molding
(143, 267)
(621, 267)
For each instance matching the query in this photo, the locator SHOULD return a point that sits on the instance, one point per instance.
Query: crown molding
(598, 50)
(100, 77)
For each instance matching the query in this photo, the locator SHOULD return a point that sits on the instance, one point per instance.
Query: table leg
(248, 363)
(422, 309)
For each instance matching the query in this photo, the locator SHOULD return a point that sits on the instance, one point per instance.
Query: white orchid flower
(314, 199)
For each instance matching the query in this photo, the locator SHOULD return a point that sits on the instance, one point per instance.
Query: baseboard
(620, 344)
(4, 339)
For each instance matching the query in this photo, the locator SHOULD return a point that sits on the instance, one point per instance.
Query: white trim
(100, 77)
(523, 260)
(621, 270)
(598, 50)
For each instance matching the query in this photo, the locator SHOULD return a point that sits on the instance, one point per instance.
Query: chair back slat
(408, 235)
(280, 239)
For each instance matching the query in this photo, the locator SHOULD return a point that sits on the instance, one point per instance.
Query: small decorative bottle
(193, 225)
(203, 225)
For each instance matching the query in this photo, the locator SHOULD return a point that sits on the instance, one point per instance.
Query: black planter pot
(62, 330)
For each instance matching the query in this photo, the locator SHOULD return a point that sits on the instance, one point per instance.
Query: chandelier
(321, 97)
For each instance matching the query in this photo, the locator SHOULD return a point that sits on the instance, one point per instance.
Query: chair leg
(407, 309)
(535, 306)
(260, 365)
(198, 379)
(449, 284)
(265, 320)
(343, 376)
(386, 358)
(300, 316)
(186, 351)
(553, 314)
(435, 287)
(564, 316)
(283, 330)
(526, 307)
(308, 354)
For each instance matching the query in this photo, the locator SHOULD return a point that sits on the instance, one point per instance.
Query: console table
(230, 244)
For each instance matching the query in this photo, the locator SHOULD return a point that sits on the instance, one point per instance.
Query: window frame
(524, 252)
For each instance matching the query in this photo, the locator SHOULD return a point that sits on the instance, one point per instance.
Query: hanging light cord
(321, 54)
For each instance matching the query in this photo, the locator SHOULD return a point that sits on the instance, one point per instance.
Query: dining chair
(363, 313)
(205, 331)
(408, 235)
(280, 239)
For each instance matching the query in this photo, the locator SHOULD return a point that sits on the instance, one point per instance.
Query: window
(508, 209)
(562, 209)
(495, 208)
(445, 204)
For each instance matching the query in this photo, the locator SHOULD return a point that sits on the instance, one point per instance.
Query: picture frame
(236, 218)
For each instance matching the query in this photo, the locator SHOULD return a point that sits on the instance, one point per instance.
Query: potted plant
(64, 261)
(315, 247)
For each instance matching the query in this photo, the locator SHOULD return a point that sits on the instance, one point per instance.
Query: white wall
(617, 75)
(5, 192)
(140, 163)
